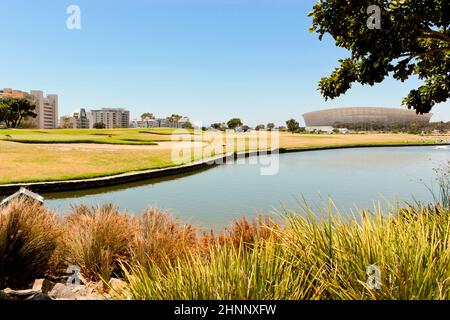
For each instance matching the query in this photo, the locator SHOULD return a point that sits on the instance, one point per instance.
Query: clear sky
(208, 59)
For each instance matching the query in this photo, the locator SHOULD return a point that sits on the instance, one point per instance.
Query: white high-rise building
(46, 109)
(111, 117)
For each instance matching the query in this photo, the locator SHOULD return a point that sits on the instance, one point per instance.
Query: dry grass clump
(98, 238)
(243, 231)
(29, 237)
(160, 237)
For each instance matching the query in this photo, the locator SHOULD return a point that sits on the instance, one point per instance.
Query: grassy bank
(67, 154)
(297, 257)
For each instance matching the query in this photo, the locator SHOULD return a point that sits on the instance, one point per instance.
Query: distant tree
(66, 122)
(146, 117)
(188, 125)
(99, 125)
(336, 131)
(14, 110)
(282, 128)
(28, 123)
(406, 38)
(204, 129)
(260, 127)
(270, 126)
(234, 123)
(292, 125)
(218, 126)
(245, 128)
(173, 119)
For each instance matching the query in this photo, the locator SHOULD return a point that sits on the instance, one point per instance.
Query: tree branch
(418, 54)
(431, 34)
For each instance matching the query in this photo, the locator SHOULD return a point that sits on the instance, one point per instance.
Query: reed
(315, 258)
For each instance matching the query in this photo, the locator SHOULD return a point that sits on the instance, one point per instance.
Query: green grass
(128, 141)
(106, 136)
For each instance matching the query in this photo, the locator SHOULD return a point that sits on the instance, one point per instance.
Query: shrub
(161, 237)
(246, 232)
(29, 237)
(97, 239)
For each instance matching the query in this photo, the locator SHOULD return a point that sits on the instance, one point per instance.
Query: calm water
(216, 196)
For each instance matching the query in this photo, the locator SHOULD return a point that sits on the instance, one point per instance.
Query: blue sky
(208, 59)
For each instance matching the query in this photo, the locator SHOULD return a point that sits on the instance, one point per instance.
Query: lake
(212, 198)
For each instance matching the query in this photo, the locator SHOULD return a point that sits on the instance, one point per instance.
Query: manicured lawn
(114, 136)
(46, 155)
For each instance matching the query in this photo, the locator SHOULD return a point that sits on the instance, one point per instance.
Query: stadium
(365, 116)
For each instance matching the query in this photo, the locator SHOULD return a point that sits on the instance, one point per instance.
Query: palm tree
(173, 120)
(147, 116)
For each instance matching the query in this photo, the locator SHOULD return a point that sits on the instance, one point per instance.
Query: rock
(42, 285)
(18, 293)
(72, 292)
(29, 294)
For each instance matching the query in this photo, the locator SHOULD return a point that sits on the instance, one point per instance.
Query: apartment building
(81, 119)
(46, 109)
(111, 117)
(78, 120)
(159, 123)
(46, 106)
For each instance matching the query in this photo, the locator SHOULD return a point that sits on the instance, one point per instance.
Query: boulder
(42, 285)
(28, 294)
(72, 292)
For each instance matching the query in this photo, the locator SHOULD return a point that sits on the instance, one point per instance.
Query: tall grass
(226, 272)
(160, 237)
(29, 237)
(315, 259)
(97, 239)
(245, 232)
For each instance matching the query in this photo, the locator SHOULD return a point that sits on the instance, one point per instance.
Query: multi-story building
(159, 123)
(111, 117)
(78, 120)
(46, 106)
(81, 119)
(46, 109)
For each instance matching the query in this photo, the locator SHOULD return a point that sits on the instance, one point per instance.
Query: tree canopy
(14, 110)
(413, 40)
(292, 125)
(99, 125)
(234, 123)
(147, 116)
